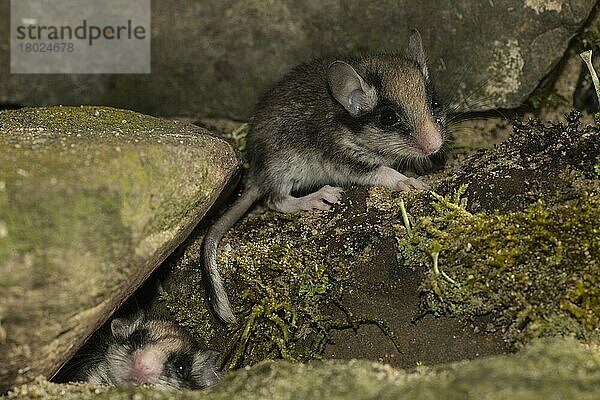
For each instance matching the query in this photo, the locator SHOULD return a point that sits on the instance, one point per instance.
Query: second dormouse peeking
(144, 349)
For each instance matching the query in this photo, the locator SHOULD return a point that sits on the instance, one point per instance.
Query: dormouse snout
(429, 139)
(146, 366)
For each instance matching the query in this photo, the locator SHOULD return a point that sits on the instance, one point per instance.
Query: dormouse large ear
(350, 89)
(204, 369)
(416, 53)
(121, 328)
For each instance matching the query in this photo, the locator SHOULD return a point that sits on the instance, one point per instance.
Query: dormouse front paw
(410, 184)
(395, 181)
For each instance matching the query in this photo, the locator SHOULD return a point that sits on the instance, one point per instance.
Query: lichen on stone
(82, 118)
(508, 65)
(91, 200)
(540, 6)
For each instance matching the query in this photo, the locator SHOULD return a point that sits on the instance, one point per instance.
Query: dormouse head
(159, 353)
(388, 103)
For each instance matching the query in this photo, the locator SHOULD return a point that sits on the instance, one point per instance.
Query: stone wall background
(215, 58)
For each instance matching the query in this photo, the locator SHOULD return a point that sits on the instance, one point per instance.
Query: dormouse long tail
(217, 296)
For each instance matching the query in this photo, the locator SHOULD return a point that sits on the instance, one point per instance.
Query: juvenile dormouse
(143, 350)
(330, 124)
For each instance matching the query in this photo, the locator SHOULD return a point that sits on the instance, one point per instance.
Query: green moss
(291, 277)
(286, 286)
(81, 118)
(188, 305)
(535, 270)
(546, 97)
(285, 278)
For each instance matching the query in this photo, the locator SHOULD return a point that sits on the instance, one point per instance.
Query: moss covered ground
(550, 370)
(536, 271)
(513, 232)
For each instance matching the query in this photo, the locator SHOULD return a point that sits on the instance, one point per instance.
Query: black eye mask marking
(138, 338)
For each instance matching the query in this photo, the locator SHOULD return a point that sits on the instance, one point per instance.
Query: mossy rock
(320, 285)
(92, 199)
(554, 162)
(553, 369)
(520, 240)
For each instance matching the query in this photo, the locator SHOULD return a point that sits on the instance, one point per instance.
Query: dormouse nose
(429, 138)
(146, 366)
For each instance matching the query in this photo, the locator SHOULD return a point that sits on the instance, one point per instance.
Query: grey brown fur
(330, 124)
(176, 361)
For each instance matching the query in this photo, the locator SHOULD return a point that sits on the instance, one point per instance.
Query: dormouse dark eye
(435, 105)
(181, 365)
(389, 117)
(181, 370)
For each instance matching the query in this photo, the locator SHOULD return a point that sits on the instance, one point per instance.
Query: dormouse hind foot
(322, 199)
